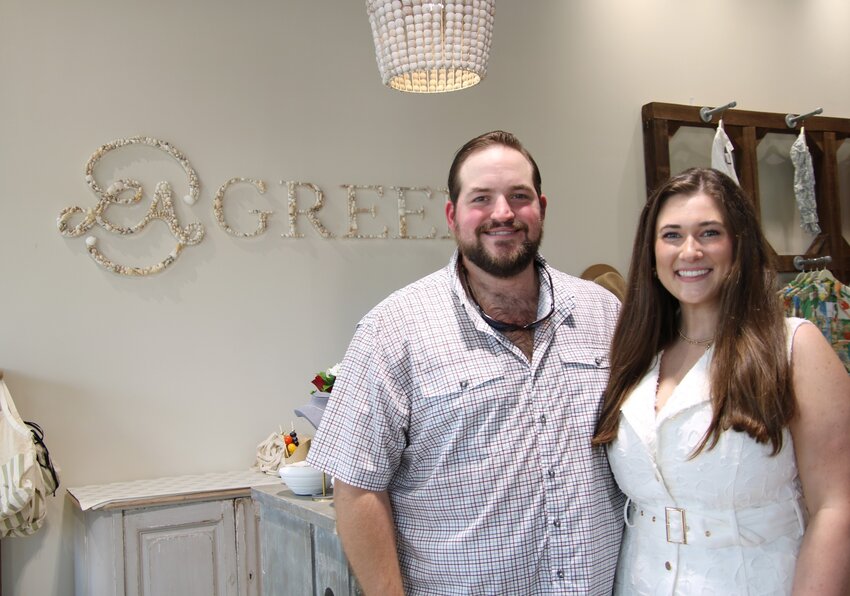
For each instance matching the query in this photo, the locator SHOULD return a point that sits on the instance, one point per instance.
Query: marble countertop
(159, 491)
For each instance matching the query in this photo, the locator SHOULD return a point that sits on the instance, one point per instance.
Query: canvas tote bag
(22, 483)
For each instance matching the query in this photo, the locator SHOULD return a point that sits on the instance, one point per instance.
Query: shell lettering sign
(128, 193)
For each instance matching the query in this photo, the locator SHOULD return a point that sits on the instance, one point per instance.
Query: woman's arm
(367, 532)
(821, 432)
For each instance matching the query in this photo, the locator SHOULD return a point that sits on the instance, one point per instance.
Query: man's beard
(502, 267)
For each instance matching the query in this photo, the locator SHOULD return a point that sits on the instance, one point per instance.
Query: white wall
(186, 371)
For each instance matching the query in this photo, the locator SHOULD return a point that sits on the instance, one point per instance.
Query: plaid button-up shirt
(494, 485)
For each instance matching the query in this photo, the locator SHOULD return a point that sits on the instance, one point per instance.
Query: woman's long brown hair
(750, 377)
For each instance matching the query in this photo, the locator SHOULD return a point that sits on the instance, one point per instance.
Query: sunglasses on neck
(502, 326)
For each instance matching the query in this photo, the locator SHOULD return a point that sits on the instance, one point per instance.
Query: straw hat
(607, 277)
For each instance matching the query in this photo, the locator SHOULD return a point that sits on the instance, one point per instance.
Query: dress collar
(693, 390)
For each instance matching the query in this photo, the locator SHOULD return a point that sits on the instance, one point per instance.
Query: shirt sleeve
(363, 431)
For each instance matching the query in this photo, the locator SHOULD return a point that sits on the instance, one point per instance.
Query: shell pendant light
(431, 47)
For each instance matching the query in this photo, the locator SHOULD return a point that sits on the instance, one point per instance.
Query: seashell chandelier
(431, 47)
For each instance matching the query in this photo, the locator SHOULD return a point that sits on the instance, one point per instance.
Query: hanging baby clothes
(804, 184)
(721, 153)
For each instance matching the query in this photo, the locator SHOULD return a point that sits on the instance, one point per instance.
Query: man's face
(498, 219)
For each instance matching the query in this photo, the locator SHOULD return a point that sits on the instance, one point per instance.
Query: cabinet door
(185, 549)
(299, 558)
(286, 554)
(333, 577)
(248, 547)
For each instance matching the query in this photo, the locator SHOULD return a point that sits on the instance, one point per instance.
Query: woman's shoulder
(817, 371)
(807, 344)
(792, 323)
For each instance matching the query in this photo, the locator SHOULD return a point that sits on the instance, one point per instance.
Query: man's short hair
(496, 137)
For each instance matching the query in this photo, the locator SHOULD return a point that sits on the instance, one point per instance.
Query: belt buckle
(676, 511)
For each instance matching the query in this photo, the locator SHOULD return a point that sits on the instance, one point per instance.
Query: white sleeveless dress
(727, 522)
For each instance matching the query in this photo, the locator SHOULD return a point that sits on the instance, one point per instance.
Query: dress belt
(716, 529)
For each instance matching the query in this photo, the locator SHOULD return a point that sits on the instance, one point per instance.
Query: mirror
(843, 154)
(780, 217)
(690, 147)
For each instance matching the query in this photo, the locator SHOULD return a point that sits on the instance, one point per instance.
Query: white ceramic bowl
(302, 479)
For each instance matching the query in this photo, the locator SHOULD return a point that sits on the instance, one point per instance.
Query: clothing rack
(792, 120)
(801, 263)
(706, 114)
(746, 129)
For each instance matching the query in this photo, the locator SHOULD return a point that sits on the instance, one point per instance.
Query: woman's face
(693, 249)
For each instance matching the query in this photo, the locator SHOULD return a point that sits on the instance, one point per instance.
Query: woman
(728, 426)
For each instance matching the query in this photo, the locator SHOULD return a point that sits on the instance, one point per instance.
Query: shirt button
(543, 419)
(557, 523)
(463, 384)
(560, 574)
(598, 361)
(668, 566)
(551, 473)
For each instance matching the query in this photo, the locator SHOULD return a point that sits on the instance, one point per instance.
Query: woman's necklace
(706, 343)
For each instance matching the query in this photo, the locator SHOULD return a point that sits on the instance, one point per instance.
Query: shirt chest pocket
(458, 397)
(585, 372)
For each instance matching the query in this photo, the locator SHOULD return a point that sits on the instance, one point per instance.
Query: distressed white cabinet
(205, 544)
(186, 549)
(301, 554)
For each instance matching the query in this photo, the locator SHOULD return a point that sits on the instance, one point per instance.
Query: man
(459, 428)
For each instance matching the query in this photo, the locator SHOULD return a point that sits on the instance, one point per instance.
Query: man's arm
(366, 529)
